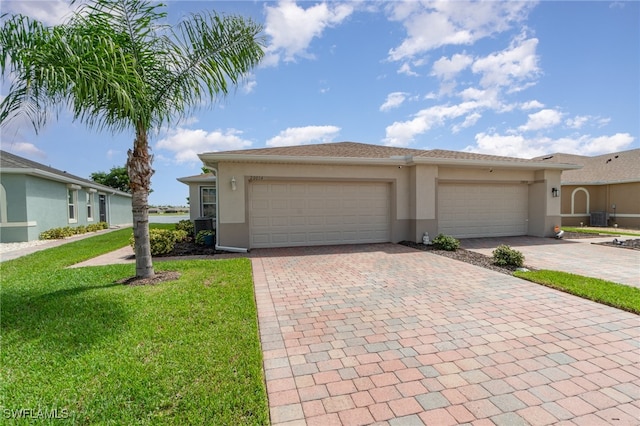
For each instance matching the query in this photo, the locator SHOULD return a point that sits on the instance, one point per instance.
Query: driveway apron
(580, 256)
(383, 334)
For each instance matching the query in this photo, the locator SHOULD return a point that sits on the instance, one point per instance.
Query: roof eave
(600, 182)
(64, 179)
(466, 162)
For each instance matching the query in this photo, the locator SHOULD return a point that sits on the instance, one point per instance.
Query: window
(72, 196)
(90, 206)
(208, 201)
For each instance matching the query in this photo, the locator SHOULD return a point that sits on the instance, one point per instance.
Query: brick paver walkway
(382, 334)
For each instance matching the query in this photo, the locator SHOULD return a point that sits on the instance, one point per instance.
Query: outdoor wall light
(554, 192)
(233, 184)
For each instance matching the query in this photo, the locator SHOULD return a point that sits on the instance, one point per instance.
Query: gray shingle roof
(367, 151)
(12, 161)
(607, 168)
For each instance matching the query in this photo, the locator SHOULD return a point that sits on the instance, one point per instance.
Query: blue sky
(519, 79)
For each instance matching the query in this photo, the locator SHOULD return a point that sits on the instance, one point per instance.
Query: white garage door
(483, 210)
(286, 214)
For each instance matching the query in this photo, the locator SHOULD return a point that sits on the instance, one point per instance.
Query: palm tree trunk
(139, 168)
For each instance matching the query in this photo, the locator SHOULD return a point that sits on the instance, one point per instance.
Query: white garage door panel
(482, 210)
(317, 213)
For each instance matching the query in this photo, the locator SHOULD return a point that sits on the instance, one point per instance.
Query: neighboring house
(202, 195)
(343, 193)
(35, 198)
(604, 192)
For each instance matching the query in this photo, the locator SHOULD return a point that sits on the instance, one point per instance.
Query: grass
(606, 292)
(599, 231)
(180, 352)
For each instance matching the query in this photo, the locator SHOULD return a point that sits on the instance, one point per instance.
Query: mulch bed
(463, 255)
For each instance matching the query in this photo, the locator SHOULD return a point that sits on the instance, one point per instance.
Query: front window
(72, 197)
(90, 206)
(208, 201)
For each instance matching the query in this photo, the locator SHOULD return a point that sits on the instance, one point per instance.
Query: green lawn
(604, 231)
(180, 352)
(601, 291)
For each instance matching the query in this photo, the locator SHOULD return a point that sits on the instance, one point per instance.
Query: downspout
(217, 246)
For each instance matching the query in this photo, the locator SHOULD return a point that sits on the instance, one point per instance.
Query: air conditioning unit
(203, 224)
(599, 218)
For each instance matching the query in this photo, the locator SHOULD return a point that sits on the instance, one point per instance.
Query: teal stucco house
(35, 198)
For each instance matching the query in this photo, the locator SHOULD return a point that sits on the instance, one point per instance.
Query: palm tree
(118, 68)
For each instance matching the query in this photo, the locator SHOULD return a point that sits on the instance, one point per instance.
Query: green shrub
(162, 241)
(57, 233)
(180, 235)
(446, 242)
(187, 226)
(504, 255)
(201, 235)
(80, 229)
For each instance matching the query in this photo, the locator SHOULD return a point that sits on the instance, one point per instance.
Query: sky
(520, 79)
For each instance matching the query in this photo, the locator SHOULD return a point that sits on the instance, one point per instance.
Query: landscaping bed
(463, 255)
(620, 243)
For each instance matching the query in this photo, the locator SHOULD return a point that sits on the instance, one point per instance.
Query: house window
(90, 206)
(72, 200)
(3, 204)
(208, 201)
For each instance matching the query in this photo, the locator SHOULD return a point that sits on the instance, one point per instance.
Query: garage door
(482, 210)
(285, 214)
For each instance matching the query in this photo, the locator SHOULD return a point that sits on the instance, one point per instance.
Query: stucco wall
(119, 210)
(413, 193)
(601, 198)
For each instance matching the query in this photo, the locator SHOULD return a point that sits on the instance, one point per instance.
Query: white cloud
(23, 148)
(531, 105)
(516, 145)
(292, 28)
(542, 120)
(432, 24)
(402, 133)
(394, 100)
(50, 12)
(515, 65)
(304, 135)
(470, 120)
(406, 70)
(445, 68)
(186, 144)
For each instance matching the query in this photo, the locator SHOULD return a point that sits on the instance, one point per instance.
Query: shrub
(446, 242)
(162, 241)
(504, 255)
(80, 229)
(187, 226)
(179, 235)
(57, 233)
(201, 235)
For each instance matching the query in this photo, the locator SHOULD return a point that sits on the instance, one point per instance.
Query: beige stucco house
(202, 195)
(344, 193)
(604, 192)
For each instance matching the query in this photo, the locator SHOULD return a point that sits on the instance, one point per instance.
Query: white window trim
(73, 190)
(214, 203)
(3, 205)
(90, 205)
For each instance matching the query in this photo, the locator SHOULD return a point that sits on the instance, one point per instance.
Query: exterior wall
(414, 191)
(118, 210)
(15, 226)
(601, 198)
(35, 205)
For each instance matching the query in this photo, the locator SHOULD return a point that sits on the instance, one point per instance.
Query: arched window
(580, 201)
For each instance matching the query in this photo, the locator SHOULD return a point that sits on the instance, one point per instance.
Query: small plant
(446, 242)
(202, 234)
(180, 235)
(504, 255)
(187, 226)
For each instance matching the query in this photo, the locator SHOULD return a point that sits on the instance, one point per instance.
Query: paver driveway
(386, 334)
(578, 256)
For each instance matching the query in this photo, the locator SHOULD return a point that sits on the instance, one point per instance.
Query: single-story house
(604, 192)
(344, 193)
(35, 198)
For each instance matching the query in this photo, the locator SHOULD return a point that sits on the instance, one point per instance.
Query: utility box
(598, 219)
(203, 224)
